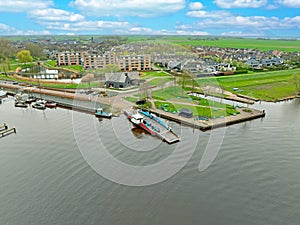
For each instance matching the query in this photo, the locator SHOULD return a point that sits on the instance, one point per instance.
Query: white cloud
(240, 3)
(8, 30)
(55, 15)
(4, 28)
(257, 24)
(140, 30)
(242, 34)
(290, 3)
(207, 14)
(196, 6)
(140, 8)
(184, 32)
(271, 7)
(85, 26)
(23, 5)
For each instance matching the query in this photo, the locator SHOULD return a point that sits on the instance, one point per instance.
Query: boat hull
(152, 127)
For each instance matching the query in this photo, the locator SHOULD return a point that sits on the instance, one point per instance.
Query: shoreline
(117, 103)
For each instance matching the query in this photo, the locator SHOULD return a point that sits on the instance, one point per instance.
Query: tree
(111, 68)
(145, 91)
(89, 77)
(296, 81)
(24, 56)
(7, 50)
(36, 50)
(73, 76)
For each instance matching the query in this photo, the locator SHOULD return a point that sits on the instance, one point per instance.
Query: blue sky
(259, 18)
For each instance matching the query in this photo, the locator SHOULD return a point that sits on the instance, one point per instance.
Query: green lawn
(75, 68)
(131, 99)
(211, 112)
(151, 74)
(179, 99)
(51, 63)
(268, 86)
(169, 93)
(159, 81)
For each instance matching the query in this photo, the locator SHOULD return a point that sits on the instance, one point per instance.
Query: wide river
(57, 170)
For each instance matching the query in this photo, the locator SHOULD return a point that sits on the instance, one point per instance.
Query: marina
(86, 103)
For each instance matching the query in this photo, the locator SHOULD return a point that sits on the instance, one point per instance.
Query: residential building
(98, 61)
(69, 58)
(134, 62)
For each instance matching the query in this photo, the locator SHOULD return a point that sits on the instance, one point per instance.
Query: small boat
(100, 113)
(3, 94)
(50, 104)
(38, 105)
(41, 101)
(152, 124)
(21, 104)
(30, 99)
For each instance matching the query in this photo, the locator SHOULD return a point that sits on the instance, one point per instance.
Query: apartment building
(99, 61)
(93, 61)
(69, 58)
(134, 62)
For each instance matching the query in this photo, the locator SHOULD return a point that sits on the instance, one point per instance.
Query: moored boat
(50, 104)
(30, 99)
(152, 124)
(38, 105)
(3, 94)
(100, 113)
(21, 104)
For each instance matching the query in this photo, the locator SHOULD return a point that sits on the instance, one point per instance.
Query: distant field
(264, 45)
(261, 44)
(253, 43)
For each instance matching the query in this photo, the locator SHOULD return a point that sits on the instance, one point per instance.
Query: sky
(242, 18)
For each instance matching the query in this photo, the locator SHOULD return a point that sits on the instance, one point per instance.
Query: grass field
(211, 112)
(159, 81)
(261, 44)
(151, 74)
(269, 86)
(201, 107)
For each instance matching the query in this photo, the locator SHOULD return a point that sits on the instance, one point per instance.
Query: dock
(212, 123)
(4, 130)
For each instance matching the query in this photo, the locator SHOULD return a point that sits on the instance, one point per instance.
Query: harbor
(74, 100)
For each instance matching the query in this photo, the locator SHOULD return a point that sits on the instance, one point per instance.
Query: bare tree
(89, 77)
(296, 81)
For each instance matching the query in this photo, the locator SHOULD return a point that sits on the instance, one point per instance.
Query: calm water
(255, 178)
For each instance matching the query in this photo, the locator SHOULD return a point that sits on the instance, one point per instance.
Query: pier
(4, 130)
(211, 123)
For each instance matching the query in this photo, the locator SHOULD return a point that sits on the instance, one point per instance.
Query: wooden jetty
(4, 130)
(76, 107)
